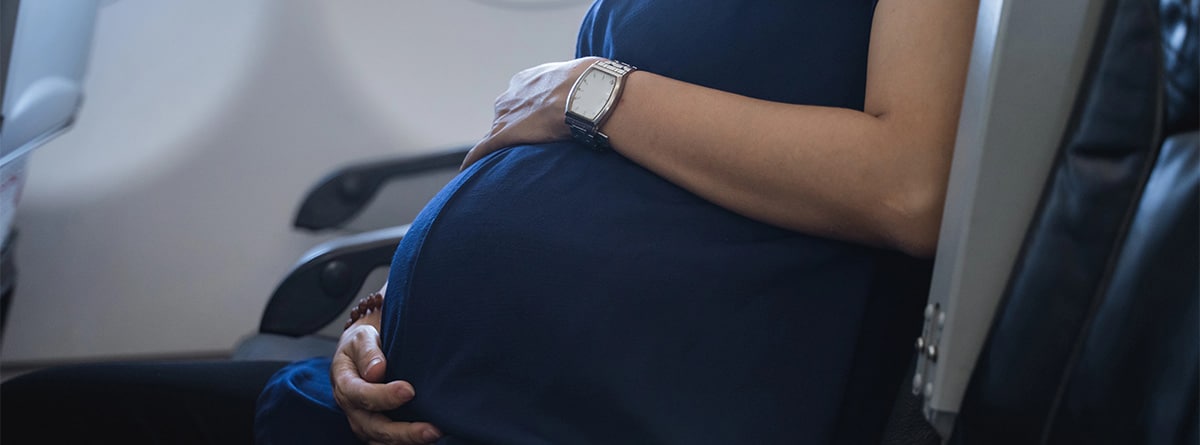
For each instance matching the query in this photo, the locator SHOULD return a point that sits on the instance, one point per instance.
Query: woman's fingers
(377, 428)
(364, 351)
(532, 110)
(351, 391)
(356, 368)
(486, 144)
(362, 402)
(477, 152)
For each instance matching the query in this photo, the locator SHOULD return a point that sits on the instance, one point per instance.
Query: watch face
(592, 93)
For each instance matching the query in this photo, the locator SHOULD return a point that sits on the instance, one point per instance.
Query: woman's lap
(297, 406)
(206, 402)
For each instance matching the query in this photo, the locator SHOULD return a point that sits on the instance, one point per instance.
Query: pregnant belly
(554, 294)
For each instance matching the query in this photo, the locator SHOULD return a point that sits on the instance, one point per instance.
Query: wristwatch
(592, 99)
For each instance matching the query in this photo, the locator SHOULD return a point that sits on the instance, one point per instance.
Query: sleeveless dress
(553, 294)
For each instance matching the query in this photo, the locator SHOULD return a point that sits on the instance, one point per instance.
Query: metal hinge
(927, 351)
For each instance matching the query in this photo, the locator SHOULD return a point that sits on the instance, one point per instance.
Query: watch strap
(584, 131)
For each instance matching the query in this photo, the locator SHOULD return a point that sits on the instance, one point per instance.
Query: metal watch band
(586, 131)
(618, 68)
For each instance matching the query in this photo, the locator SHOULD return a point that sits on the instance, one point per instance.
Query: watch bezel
(618, 87)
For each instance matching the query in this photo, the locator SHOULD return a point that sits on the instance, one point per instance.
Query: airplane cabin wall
(160, 224)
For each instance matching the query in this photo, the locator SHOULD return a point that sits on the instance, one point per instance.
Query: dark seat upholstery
(1096, 338)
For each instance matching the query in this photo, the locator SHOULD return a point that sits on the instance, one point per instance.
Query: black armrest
(325, 281)
(345, 192)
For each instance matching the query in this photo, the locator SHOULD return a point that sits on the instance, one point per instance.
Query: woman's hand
(533, 109)
(356, 373)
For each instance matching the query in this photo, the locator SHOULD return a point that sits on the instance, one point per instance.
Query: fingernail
(430, 435)
(406, 391)
(374, 362)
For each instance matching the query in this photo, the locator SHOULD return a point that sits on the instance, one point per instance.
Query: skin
(876, 176)
(357, 373)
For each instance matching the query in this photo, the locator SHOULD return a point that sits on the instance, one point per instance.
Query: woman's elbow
(921, 242)
(917, 191)
(915, 218)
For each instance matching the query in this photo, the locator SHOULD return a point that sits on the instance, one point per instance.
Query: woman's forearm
(826, 171)
(876, 176)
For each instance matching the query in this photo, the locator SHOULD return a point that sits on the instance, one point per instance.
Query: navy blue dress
(552, 294)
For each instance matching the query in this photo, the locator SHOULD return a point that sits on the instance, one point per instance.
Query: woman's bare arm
(877, 176)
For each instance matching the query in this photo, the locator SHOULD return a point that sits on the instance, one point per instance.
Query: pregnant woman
(670, 239)
(696, 232)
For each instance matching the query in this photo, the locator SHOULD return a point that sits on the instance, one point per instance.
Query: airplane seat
(1096, 339)
(44, 50)
(301, 316)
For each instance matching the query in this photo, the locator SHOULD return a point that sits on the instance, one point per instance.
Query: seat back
(1096, 338)
(1027, 61)
(1025, 56)
(1064, 297)
(44, 49)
